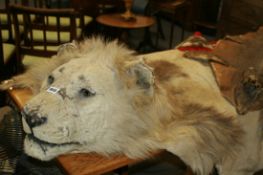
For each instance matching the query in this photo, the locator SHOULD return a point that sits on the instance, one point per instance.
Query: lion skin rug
(97, 96)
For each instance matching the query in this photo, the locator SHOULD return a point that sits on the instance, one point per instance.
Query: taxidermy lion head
(102, 97)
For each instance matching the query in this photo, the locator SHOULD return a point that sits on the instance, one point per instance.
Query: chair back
(6, 37)
(41, 36)
(2, 67)
(7, 52)
(5, 20)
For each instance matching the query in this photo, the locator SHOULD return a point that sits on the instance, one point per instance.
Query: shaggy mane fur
(170, 103)
(35, 74)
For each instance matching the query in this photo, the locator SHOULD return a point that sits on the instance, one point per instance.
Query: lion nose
(34, 120)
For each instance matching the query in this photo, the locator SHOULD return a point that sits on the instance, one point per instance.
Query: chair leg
(159, 30)
(171, 34)
(183, 24)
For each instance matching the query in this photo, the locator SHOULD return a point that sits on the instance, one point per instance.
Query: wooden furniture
(6, 62)
(5, 21)
(42, 36)
(95, 8)
(206, 14)
(116, 21)
(127, 15)
(7, 52)
(238, 17)
(2, 64)
(174, 8)
(7, 49)
(93, 164)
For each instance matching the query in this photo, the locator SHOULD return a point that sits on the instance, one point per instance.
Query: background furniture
(175, 11)
(116, 21)
(5, 19)
(206, 15)
(95, 8)
(7, 52)
(42, 34)
(240, 16)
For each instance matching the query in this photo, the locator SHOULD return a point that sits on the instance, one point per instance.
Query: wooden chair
(82, 20)
(7, 51)
(207, 15)
(7, 28)
(41, 39)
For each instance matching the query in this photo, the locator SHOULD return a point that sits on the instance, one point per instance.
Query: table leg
(171, 32)
(146, 45)
(159, 31)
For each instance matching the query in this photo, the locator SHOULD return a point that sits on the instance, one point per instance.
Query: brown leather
(226, 77)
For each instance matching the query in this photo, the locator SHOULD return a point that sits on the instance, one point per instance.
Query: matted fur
(136, 104)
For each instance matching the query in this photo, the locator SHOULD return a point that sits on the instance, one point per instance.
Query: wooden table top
(91, 164)
(116, 20)
(20, 96)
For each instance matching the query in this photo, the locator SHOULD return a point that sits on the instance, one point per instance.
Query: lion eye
(50, 79)
(87, 92)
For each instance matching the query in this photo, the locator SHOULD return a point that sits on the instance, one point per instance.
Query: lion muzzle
(33, 120)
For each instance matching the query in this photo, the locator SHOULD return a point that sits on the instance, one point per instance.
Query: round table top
(116, 20)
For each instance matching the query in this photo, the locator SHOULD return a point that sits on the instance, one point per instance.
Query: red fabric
(197, 48)
(194, 48)
(197, 34)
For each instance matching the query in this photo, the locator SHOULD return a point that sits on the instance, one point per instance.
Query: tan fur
(142, 103)
(164, 70)
(244, 53)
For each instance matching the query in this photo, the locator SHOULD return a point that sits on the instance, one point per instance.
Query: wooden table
(140, 21)
(116, 20)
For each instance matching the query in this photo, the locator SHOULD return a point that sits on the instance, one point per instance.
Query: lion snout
(33, 120)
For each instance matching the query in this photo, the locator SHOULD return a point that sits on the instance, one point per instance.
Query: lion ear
(143, 75)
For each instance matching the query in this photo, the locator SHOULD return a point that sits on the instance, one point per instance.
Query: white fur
(249, 158)
(131, 112)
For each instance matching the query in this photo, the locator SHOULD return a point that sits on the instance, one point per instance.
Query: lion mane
(142, 103)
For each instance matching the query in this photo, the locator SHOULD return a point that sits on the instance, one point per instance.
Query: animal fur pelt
(244, 53)
(109, 100)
